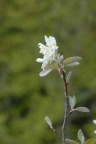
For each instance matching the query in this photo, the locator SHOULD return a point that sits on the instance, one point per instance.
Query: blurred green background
(26, 98)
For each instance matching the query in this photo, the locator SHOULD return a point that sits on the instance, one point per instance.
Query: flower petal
(94, 121)
(47, 41)
(95, 131)
(42, 48)
(45, 72)
(44, 64)
(39, 60)
(52, 41)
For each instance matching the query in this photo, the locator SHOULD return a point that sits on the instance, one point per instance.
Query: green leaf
(83, 140)
(71, 60)
(51, 65)
(69, 76)
(72, 101)
(90, 141)
(71, 141)
(81, 136)
(72, 64)
(48, 121)
(82, 109)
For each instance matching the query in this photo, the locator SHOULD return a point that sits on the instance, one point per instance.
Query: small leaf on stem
(82, 109)
(68, 76)
(48, 121)
(72, 101)
(72, 64)
(81, 136)
(71, 141)
(71, 60)
(90, 141)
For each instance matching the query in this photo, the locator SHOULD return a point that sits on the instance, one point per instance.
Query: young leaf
(72, 64)
(90, 141)
(71, 60)
(83, 140)
(53, 65)
(82, 109)
(48, 121)
(81, 136)
(72, 101)
(71, 141)
(69, 76)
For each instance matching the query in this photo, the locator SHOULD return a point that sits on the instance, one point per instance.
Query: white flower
(51, 58)
(95, 131)
(94, 121)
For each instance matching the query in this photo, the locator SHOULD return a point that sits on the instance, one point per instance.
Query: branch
(58, 136)
(66, 104)
(69, 114)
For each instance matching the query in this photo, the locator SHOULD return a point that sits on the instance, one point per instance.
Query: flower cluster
(51, 58)
(94, 121)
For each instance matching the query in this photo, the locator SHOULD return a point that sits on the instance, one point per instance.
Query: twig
(58, 136)
(66, 105)
(69, 114)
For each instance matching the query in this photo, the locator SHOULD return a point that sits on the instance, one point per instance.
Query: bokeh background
(26, 98)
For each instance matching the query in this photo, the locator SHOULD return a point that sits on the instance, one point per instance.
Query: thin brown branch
(66, 105)
(69, 114)
(58, 136)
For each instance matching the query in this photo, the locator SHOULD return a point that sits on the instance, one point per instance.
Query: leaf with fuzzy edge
(68, 76)
(48, 121)
(81, 136)
(72, 59)
(82, 109)
(72, 101)
(90, 141)
(51, 65)
(72, 64)
(71, 141)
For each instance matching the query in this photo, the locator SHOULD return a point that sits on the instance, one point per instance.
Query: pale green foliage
(81, 136)
(71, 141)
(82, 109)
(72, 101)
(48, 121)
(25, 99)
(72, 61)
(82, 139)
(90, 141)
(69, 76)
